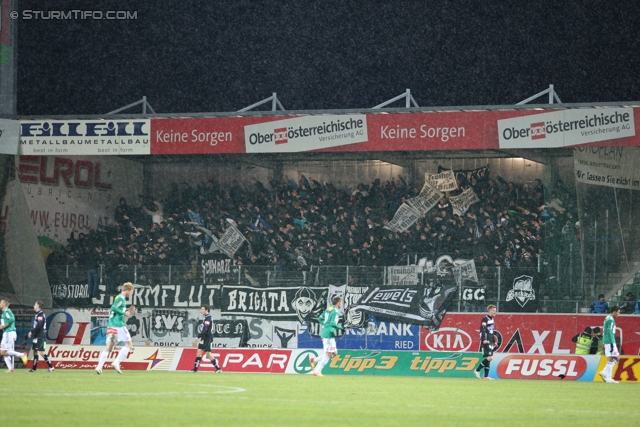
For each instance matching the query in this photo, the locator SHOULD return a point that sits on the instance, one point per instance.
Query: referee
(205, 338)
(39, 335)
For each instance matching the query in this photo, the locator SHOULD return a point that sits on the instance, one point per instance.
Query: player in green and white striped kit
(329, 321)
(610, 347)
(8, 327)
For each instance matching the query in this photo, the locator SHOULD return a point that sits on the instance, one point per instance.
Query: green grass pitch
(82, 398)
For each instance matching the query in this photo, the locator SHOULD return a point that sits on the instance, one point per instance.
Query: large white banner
(231, 241)
(462, 201)
(406, 275)
(305, 133)
(75, 194)
(443, 181)
(85, 137)
(428, 197)
(565, 128)
(404, 218)
(608, 166)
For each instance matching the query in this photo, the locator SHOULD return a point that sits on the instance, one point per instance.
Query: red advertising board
(239, 360)
(526, 333)
(420, 131)
(87, 357)
(529, 366)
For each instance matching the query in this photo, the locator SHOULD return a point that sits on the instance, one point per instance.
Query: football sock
(9, 361)
(323, 360)
(487, 365)
(35, 362)
(215, 363)
(122, 354)
(318, 363)
(481, 365)
(196, 364)
(103, 358)
(609, 369)
(46, 359)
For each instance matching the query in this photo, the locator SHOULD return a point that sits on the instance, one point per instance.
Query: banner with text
(404, 218)
(85, 137)
(526, 333)
(427, 199)
(545, 367)
(443, 181)
(231, 241)
(421, 131)
(301, 303)
(305, 133)
(425, 305)
(567, 127)
(87, 357)
(390, 363)
(70, 194)
(462, 201)
(608, 166)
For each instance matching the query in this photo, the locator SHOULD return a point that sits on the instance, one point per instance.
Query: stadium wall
(540, 334)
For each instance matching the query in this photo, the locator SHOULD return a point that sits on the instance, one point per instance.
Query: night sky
(214, 56)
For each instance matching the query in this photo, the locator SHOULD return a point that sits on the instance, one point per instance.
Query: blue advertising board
(375, 336)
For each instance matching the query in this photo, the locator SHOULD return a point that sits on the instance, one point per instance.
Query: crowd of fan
(299, 224)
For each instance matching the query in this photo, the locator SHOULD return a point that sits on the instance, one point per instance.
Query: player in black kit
(488, 340)
(205, 340)
(39, 334)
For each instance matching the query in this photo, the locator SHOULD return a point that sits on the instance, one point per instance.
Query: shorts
(39, 344)
(205, 344)
(120, 334)
(611, 350)
(8, 341)
(487, 350)
(329, 345)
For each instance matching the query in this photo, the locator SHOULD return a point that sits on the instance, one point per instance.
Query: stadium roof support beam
(530, 155)
(552, 96)
(407, 96)
(145, 104)
(273, 99)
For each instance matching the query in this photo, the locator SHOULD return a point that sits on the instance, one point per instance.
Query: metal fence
(552, 296)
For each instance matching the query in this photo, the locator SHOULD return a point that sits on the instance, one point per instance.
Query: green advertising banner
(403, 363)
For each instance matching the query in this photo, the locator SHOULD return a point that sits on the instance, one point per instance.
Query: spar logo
(280, 136)
(542, 367)
(447, 339)
(302, 364)
(538, 131)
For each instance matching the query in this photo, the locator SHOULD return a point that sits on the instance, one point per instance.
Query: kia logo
(448, 339)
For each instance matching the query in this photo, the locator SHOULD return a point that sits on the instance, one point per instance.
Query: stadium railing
(553, 289)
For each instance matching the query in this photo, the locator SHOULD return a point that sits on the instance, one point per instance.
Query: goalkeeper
(329, 321)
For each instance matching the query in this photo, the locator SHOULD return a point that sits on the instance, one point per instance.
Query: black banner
(276, 303)
(185, 295)
(351, 295)
(424, 305)
(218, 268)
(522, 287)
(168, 320)
(71, 295)
(225, 328)
(473, 294)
